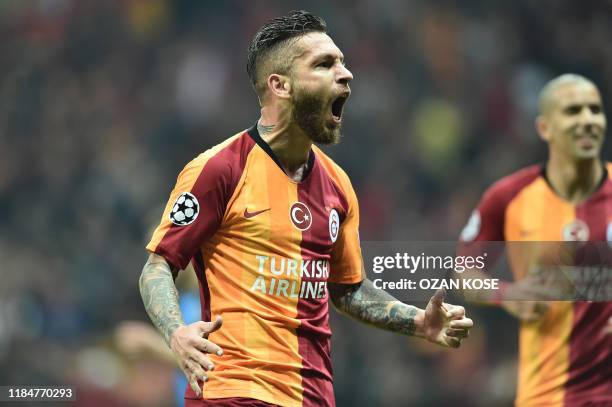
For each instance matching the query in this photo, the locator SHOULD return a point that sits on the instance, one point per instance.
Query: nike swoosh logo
(249, 215)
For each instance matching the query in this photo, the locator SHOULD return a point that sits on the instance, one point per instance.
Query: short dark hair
(273, 36)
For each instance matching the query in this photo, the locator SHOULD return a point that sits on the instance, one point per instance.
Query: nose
(587, 116)
(344, 76)
(586, 120)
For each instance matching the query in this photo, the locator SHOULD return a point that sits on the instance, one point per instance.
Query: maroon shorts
(227, 402)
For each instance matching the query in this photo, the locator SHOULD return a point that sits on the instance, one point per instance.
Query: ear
(541, 125)
(279, 85)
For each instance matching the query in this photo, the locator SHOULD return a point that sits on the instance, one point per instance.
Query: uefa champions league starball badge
(185, 209)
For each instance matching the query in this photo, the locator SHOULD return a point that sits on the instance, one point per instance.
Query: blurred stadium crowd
(103, 102)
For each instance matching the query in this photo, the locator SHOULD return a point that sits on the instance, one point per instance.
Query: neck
(574, 181)
(289, 143)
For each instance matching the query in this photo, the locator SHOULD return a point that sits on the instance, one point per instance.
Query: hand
(527, 311)
(190, 347)
(520, 293)
(608, 327)
(531, 288)
(136, 338)
(445, 324)
(139, 339)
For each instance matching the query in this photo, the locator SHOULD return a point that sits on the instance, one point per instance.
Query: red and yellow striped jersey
(264, 248)
(565, 359)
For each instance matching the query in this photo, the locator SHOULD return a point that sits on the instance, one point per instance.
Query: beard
(310, 116)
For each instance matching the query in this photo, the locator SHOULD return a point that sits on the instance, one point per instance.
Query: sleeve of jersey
(487, 220)
(486, 224)
(346, 259)
(194, 210)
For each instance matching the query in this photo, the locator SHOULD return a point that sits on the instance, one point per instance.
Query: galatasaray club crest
(300, 216)
(576, 231)
(334, 225)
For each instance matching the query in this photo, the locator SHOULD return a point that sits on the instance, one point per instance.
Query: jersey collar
(254, 134)
(604, 177)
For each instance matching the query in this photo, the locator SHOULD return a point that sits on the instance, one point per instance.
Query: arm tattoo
(365, 303)
(264, 129)
(160, 296)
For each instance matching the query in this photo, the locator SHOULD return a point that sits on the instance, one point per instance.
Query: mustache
(590, 131)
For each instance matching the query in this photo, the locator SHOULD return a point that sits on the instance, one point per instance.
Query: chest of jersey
(548, 224)
(538, 214)
(270, 215)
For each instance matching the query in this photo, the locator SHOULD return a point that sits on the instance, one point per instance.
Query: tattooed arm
(187, 342)
(375, 307)
(441, 323)
(160, 296)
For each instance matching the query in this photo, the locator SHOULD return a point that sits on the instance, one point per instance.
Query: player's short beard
(309, 115)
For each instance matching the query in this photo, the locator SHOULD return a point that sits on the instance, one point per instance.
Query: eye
(572, 110)
(325, 64)
(595, 109)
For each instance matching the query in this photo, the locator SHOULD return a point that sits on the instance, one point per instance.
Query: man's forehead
(316, 43)
(574, 93)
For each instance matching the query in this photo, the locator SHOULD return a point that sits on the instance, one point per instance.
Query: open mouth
(338, 106)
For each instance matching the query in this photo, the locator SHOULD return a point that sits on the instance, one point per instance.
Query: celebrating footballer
(270, 224)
